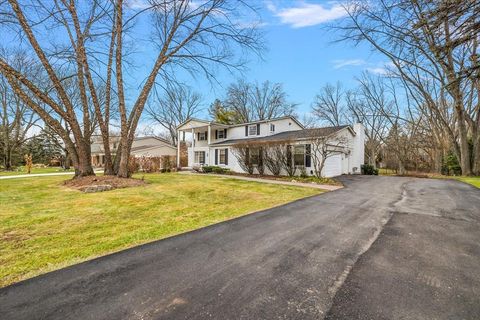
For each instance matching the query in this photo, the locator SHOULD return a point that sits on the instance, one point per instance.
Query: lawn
(21, 171)
(45, 226)
(474, 181)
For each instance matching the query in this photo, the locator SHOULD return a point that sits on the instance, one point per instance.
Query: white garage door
(333, 166)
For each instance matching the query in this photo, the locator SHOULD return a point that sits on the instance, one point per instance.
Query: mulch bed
(115, 182)
(414, 175)
(283, 178)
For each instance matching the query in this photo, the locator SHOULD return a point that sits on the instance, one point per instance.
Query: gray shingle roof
(143, 147)
(288, 135)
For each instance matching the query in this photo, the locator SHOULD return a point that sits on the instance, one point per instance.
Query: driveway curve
(288, 262)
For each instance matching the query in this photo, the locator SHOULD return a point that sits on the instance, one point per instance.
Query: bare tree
(322, 147)
(242, 152)
(177, 104)
(405, 123)
(238, 102)
(274, 156)
(196, 36)
(269, 100)
(425, 42)
(367, 105)
(251, 102)
(286, 160)
(329, 105)
(16, 119)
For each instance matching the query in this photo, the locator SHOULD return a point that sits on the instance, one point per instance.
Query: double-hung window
(222, 156)
(202, 136)
(254, 156)
(220, 134)
(200, 157)
(299, 155)
(272, 127)
(252, 130)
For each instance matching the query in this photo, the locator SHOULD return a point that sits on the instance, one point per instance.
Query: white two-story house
(213, 143)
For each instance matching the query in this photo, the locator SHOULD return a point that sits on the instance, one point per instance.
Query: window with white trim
(252, 130)
(222, 156)
(221, 134)
(202, 136)
(254, 156)
(299, 155)
(200, 157)
(272, 127)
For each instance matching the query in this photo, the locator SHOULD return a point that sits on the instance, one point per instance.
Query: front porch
(200, 133)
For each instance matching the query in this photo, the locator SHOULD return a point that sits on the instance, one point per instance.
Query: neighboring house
(149, 146)
(214, 143)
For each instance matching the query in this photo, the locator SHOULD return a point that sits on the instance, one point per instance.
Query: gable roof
(97, 145)
(291, 135)
(268, 120)
(152, 137)
(206, 122)
(146, 147)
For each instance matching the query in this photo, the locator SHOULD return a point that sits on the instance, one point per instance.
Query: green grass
(386, 172)
(474, 181)
(21, 171)
(45, 226)
(312, 179)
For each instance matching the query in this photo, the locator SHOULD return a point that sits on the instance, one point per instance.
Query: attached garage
(286, 138)
(333, 166)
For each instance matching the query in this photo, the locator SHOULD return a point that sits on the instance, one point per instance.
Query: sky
(301, 53)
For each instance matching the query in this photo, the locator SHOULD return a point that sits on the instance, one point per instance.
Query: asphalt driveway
(381, 248)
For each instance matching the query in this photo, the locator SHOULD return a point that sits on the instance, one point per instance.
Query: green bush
(219, 170)
(370, 170)
(450, 165)
(207, 169)
(215, 169)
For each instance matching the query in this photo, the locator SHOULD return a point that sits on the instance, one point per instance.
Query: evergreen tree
(221, 114)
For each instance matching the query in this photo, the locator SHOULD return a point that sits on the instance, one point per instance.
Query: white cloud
(137, 4)
(378, 70)
(341, 63)
(382, 68)
(307, 14)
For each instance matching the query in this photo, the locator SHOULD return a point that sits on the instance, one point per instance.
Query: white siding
(191, 156)
(347, 161)
(358, 148)
(156, 152)
(238, 132)
(333, 166)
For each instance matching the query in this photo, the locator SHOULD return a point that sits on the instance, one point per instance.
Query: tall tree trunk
(437, 159)
(476, 154)
(401, 168)
(108, 165)
(373, 156)
(8, 159)
(84, 163)
(124, 158)
(66, 165)
(464, 147)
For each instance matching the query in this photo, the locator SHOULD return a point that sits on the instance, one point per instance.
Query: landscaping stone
(97, 188)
